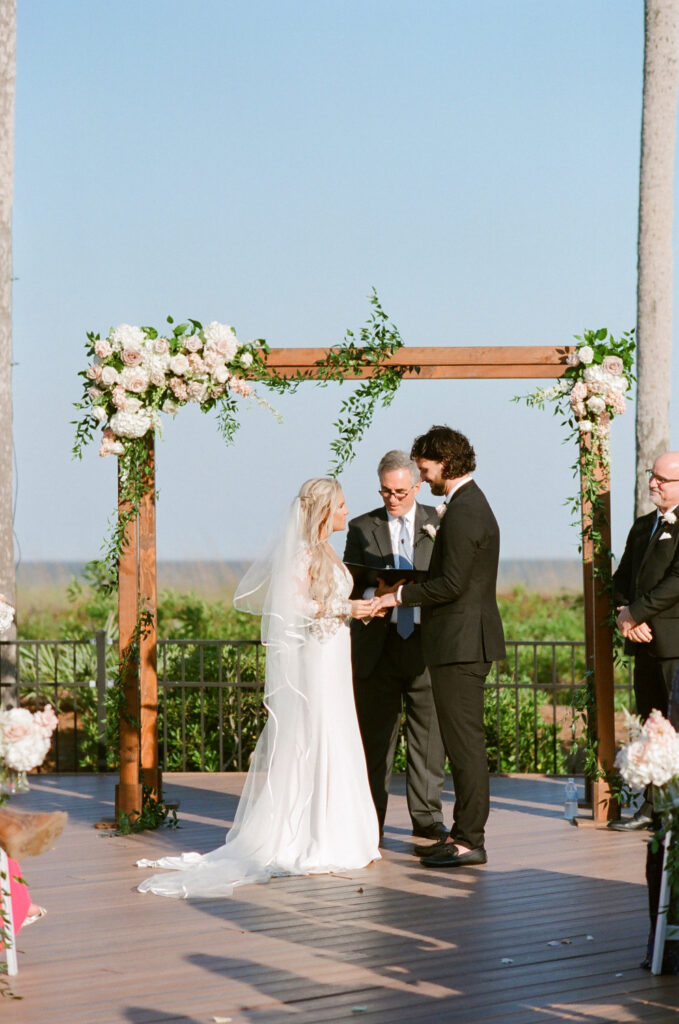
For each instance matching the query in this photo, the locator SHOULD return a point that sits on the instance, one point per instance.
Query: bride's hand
(361, 609)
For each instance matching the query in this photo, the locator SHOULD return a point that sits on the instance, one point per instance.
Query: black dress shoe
(449, 856)
(437, 830)
(642, 819)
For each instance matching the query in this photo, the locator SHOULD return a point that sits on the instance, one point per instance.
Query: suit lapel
(422, 544)
(650, 543)
(383, 537)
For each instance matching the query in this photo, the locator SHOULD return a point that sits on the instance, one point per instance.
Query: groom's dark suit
(390, 670)
(647, 580)
(461, 635)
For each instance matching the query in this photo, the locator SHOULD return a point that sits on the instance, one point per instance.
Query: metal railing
(210, 710)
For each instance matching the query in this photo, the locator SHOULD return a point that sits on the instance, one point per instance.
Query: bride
(306, 806)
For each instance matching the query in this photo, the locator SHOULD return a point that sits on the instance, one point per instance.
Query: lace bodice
(326, 620)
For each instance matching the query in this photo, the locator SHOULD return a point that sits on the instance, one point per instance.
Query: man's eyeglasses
(399, 495)
(659, 479)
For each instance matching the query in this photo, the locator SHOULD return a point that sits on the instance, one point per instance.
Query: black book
(368, 575)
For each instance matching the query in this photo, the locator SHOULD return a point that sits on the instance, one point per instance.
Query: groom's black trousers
(459, 696)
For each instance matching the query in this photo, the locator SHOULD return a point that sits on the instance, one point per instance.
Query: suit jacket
(369, 544)
(647, 580)
(460, 617)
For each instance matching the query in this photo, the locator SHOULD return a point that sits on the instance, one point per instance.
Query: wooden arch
(137, 570)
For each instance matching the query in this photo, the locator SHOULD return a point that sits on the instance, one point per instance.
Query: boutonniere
(430, 530)
(669, 518)
(442, 509)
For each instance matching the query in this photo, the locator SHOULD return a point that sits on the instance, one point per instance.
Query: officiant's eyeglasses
(659, 479)
(399, 495)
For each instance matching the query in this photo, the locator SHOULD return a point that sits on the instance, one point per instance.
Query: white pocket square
(665, 536)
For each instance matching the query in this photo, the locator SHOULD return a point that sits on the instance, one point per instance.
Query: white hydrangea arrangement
(136, 374)
(651, 758)
(25, 737)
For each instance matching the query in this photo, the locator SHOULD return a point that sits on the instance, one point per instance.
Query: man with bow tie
(388, 665)
(646, 595)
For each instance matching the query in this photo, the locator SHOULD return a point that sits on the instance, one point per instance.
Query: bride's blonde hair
(319, 499)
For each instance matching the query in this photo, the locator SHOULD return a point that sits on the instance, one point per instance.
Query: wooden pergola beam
(439, 363)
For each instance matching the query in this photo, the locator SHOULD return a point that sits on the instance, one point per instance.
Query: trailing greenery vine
(593, 390)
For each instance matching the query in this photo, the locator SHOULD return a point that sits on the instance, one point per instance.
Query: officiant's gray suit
(390, 673)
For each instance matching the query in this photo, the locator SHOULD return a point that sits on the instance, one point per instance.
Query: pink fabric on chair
(21, 899)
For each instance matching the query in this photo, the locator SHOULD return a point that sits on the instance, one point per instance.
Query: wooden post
(148, 678)
(588, 601)
(605, 807)
(596, 569)
(128, 790)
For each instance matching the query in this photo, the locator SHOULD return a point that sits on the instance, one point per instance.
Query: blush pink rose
(46, 721)
(240, 387)
(161, 346)
(119, 397)
(94, 372)
(193, 344)
(197, 391)
(179, 389)
(613, 365)
(103, 348)
(17, 724)
(131, 357)
(196, 363)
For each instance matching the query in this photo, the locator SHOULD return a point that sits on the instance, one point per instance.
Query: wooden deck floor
(552, 929)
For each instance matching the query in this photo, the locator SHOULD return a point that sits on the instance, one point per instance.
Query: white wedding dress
(306, 806)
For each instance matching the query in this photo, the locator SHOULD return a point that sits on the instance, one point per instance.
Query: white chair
(7, 916)
(664, 932)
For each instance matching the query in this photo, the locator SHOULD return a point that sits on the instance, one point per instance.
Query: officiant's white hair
(319, 499)
(397, 459)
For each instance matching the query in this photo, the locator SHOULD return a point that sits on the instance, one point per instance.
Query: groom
(461, 632)
(389, 670)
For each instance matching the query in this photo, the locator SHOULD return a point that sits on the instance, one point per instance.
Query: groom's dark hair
(442, 444)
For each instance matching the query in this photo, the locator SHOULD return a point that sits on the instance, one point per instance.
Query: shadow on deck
(552, 929)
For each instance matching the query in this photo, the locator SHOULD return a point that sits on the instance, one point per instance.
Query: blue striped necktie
(405, 618)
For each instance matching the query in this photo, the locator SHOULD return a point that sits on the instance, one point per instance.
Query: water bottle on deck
(570, 804)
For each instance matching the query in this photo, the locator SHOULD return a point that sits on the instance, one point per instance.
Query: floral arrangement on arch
(595, 387)
(136, 374)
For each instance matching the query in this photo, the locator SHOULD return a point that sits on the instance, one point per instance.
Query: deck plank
(394, 942)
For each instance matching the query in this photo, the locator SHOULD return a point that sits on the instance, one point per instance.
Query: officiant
(388, 668)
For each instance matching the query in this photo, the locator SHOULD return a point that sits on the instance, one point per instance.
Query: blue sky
(266, 164)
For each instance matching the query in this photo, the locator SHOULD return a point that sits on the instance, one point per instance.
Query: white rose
(170, 407)
(109, 376)
(179, 364)
(596, 405)
(246, 359)
(586, 355)
(221, 374)
(99, 413)
(585, 426)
